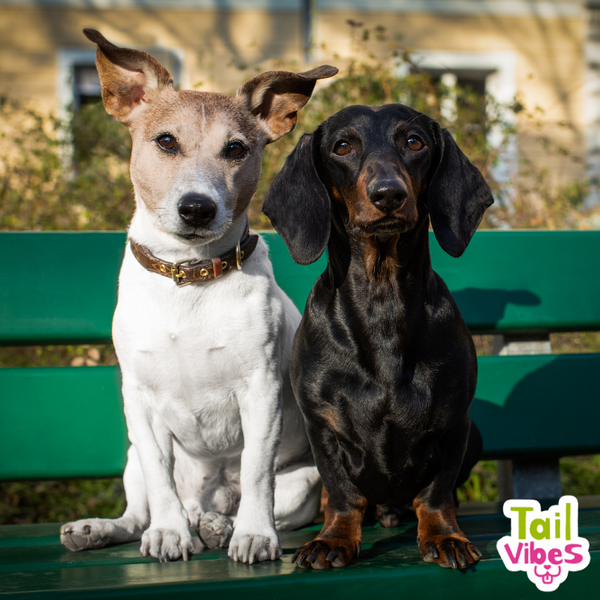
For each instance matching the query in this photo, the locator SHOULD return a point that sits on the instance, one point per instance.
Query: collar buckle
(178, 276)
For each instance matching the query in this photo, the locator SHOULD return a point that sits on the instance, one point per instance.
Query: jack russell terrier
(202, 331)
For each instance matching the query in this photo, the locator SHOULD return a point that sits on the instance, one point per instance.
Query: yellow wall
(549, 51)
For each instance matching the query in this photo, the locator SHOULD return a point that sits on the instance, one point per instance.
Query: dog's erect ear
(457, 196)
(298, 205)
(129, 78)
(277, 96)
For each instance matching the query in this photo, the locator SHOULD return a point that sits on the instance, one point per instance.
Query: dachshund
(383, 365)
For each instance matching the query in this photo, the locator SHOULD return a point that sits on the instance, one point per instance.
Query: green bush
(54, 177)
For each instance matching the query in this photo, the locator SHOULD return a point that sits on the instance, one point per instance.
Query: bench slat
(389, 566)
(61, 287)
(526, 281)
(546, 405)
(58, 287)
(61, 422)
(540, 405)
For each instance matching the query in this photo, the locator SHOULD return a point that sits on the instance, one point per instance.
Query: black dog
(383, 366)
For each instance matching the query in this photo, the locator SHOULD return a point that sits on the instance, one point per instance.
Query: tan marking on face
(363, 213)
(203, 124)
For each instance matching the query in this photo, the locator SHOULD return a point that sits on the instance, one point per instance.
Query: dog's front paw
(324, 554)
(450, 551)
(215, 530)
(86, 534)
(167, 544)
(249, 547)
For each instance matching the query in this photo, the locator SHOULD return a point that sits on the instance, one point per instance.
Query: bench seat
(33, 564)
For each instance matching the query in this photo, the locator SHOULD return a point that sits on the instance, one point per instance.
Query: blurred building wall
(539, 47)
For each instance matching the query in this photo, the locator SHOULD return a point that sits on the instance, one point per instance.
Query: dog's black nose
(197, 210)
(387, 194)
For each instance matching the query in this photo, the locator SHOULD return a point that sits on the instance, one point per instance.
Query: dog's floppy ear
(276, 97)
(457, 196)
(129, 78)
(298, 204)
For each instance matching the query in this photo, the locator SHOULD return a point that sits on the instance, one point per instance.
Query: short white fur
(217, 439)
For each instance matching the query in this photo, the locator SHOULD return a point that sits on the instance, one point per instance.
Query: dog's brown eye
(235, 149)
(342, 148)
(414, 143)
(167, 142)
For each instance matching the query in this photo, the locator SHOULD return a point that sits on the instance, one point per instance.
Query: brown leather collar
(202, 270)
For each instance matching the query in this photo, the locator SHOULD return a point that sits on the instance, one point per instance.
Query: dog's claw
(432, 552)
(461, 559)
(313, 559)
(474, 550)
(332, 555)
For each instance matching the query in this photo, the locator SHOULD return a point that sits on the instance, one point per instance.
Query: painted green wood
(79, 429)
(526, 280)
(389, 566)
(295, 280)
(61, 422)
(534, 280)
(541, 405)
(58, 287)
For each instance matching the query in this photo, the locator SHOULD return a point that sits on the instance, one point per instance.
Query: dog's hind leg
(219, 501)
(472, 455)
(88, 534)
(297, 495)
(215, 530)
(391, 515)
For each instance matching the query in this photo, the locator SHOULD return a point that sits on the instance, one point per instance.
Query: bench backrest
(60, 288)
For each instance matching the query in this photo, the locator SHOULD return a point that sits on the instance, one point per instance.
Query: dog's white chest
(190, 351)
(194, 391)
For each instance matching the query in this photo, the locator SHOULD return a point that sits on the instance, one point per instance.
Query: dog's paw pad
(215, 530)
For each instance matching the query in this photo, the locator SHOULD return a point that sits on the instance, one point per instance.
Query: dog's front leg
(168, 537)
(340, 539)
(254, 537)
(440, 539)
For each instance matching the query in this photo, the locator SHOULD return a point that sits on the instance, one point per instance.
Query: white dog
(215, 430)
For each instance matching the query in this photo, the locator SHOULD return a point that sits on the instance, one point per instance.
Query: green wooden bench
(66, 422)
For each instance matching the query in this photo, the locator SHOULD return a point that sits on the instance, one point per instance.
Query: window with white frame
(493, 73)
